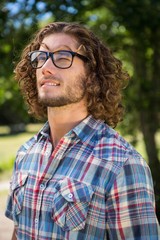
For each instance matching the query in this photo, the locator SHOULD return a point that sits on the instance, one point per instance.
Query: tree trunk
(147, 127)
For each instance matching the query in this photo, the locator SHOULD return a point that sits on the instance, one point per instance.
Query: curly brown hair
(105, 75)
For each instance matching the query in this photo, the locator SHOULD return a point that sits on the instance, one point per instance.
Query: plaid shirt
(92, 186)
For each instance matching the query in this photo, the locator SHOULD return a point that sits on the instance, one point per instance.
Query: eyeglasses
(61, 59)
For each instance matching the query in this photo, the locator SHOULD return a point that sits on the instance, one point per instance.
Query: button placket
(47, 153)
(36, 221)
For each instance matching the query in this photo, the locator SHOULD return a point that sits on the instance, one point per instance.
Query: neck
(63, 119)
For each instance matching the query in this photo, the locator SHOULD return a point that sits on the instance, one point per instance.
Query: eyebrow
(58, 48)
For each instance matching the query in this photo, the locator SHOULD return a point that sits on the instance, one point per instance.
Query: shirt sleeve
(131, 204)
(17, 166)
(8, 211)
(21, 153)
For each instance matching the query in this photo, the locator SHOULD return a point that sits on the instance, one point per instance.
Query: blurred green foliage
(130, 28)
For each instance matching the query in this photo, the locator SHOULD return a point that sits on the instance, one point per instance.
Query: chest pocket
(18, 188)
(71, 203)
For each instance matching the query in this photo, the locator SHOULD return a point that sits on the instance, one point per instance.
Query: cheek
(38, 77)
(38, 74)
(78, 70)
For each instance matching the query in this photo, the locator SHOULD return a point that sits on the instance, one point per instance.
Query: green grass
(8, 148)
(9, 145)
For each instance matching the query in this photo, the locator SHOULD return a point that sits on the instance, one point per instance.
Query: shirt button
(41, 186)
(70, 195)
(36, 220)
(47, 153)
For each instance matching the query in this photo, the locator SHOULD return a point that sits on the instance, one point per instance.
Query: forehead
(59, 40)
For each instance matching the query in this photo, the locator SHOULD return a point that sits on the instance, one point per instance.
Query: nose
(48, 67)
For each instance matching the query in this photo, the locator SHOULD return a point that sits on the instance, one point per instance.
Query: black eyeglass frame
(51, 55)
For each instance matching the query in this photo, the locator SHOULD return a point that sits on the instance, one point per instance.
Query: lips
(49, 83)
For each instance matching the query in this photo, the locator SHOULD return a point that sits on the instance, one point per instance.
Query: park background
(131, 28)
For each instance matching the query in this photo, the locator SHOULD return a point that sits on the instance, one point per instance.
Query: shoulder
(26, 146)
(24, 149)
(111, 141)
(111, 146)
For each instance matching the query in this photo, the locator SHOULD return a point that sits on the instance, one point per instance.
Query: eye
(62, 56)
(40, 57)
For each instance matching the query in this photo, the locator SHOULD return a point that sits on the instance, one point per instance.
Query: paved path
(6, 225)
(4, 185)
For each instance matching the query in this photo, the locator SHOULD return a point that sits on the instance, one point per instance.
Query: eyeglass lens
(61, 59)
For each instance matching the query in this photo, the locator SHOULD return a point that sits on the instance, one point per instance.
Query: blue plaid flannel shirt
(92, 186)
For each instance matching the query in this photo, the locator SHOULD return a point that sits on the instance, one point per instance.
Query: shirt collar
(84, 130)
(44, 131)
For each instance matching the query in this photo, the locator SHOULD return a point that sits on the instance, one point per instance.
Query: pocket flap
(75, 191)
(19, 180)
(71, 204)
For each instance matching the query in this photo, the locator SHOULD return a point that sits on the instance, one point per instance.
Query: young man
(77, 178)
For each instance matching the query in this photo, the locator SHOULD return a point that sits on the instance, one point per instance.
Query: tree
(15, 32)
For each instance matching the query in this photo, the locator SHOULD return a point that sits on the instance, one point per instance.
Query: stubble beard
(73, 94)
